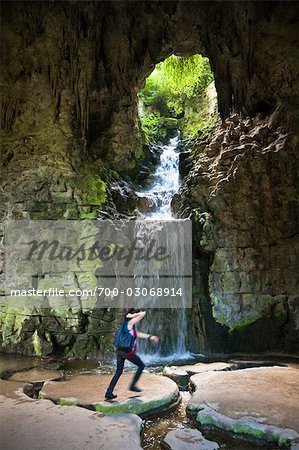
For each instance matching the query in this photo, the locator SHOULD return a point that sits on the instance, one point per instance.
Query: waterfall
(166, 182)
(169, 324)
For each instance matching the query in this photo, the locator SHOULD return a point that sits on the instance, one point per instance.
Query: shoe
(110, 396)
(135, 389)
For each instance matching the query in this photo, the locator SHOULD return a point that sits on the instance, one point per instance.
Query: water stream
(169, 324)
(166, 182)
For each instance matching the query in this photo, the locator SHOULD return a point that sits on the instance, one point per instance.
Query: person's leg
(138, 362)
(120, 361)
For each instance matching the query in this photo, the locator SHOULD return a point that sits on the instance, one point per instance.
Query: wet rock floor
(228, 391)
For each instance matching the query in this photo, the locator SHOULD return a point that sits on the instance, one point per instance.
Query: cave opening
(178, 96)
(176, 106)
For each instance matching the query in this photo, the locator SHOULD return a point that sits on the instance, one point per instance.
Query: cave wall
(242, 193)
(69, 77)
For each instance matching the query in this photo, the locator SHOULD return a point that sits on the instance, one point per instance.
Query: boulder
(144, 204)
(123, 196)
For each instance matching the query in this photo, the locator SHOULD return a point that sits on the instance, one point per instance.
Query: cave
(89, 133)
(71, 74)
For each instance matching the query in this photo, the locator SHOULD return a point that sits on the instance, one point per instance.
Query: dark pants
(120, 361)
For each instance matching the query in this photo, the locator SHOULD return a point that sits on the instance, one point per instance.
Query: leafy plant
(175, 90)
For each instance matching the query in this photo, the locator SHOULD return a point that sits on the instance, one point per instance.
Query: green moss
(251, 431)
(220, 261)
(108, 175)
(247, 430)
(89, 215)
(71, 212)
(223, 319)
(264, 434)
(223, 308)
(200, 116)
(36, 344)
(11, 326)
(53, 212)
(139, 408)
(91, 190)
(284, 441)
(244, 322)
(206, 419)
(64, 402)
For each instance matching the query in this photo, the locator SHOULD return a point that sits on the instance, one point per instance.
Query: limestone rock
(259, 403)
(244, 220)
(37, 376)
(188, 439)
(192, 369)
(177, 374)
(123, 196)
(35, 424)
(181, 374)
(159, 393)
(144, 204)
(11, 390)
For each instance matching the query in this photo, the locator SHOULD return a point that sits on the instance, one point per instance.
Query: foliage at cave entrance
(175, 96)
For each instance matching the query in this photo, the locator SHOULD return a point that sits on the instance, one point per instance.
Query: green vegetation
(92, 190)
(179, 94)
(65, 402)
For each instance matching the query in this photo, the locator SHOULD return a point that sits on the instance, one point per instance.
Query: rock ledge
(159, 393)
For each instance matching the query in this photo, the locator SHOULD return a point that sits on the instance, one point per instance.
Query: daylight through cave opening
(179, 95)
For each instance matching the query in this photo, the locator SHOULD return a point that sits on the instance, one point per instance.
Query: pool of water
(14, 361)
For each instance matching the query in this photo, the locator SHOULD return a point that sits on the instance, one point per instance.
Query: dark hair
(131, 311)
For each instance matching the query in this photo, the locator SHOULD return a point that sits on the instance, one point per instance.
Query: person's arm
(153, 339)
(135, 318)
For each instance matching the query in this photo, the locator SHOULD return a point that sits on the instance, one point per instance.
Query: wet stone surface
(37, 376)
(158, 393)
(188, 439)
(258, 403)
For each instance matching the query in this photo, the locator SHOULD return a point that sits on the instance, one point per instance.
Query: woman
(132, 317)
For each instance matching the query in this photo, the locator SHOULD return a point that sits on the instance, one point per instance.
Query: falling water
(166, 182)
(169, 324)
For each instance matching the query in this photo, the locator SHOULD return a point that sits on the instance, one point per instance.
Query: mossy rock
(158, 394)
(91, 190)
(257, 404)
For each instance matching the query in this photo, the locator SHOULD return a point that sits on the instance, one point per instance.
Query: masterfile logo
(98, 263)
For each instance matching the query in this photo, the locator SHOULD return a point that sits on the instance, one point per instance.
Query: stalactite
(10, 109)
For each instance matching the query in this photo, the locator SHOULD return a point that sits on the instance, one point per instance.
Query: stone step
(256, 403)
(158, 394)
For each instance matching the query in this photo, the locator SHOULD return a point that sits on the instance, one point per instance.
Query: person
(132, 317)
